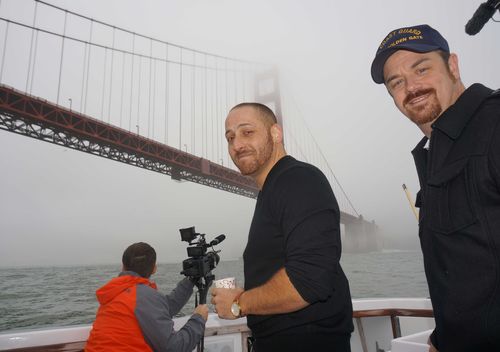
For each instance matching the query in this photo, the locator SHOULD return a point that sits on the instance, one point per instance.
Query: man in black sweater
(296, 296)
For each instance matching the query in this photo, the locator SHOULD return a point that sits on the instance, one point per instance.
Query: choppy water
(58, 296)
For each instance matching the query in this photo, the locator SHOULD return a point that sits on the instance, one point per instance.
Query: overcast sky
(60, 206)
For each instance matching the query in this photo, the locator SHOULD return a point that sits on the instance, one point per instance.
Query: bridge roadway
(38, 118)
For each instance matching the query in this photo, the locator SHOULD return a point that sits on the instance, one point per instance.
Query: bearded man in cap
(458, 165)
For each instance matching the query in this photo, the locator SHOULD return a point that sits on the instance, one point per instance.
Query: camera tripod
(203, 284)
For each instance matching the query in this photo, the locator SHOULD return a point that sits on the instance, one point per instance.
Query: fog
(63, 207)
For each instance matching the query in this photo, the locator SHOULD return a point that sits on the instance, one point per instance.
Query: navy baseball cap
(421, 39)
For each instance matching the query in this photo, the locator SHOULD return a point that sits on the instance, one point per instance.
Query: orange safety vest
(116, 327)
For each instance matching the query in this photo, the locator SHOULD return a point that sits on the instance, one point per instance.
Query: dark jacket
(460, 221)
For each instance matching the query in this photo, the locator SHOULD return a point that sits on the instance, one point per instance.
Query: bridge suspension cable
(153, 89)
(299, 138)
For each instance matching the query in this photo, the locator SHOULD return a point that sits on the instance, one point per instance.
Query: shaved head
(264, 112)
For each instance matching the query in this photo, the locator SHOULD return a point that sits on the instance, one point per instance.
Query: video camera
(198, 267)
(200, 263)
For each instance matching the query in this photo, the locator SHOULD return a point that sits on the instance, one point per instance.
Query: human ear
(276, 133)
(453, 66)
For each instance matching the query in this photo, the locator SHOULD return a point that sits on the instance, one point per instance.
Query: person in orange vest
(134, 316)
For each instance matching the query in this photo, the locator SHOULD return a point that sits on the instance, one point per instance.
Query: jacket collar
(420, 146)
(455, 118)
(420, 158)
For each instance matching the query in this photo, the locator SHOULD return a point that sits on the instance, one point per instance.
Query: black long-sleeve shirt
(296, 225)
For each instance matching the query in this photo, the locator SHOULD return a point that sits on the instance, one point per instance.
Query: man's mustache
(416, 94)
(243, 153)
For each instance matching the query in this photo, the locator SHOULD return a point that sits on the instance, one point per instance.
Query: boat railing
(393, 314)
(244, 331)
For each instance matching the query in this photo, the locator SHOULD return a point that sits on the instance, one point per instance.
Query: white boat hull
(376, 323)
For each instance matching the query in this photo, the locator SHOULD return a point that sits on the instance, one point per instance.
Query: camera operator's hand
(202, 309)
(222, 299)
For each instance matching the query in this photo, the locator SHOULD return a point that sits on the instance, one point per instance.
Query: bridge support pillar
(361, 236)
(267, 92)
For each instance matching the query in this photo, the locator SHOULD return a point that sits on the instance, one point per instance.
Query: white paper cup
(228, 282)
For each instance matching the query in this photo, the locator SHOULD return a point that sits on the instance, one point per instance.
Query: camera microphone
(482, 15)
(217, 240)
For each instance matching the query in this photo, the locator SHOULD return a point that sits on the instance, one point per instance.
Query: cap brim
(379, 61)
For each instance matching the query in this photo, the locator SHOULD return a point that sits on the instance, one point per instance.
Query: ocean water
(35, 297)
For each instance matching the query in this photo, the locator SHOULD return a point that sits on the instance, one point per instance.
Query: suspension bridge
(86, 84)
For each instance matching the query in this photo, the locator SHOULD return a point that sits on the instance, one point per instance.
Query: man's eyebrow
(415, 64)
(391, 78)
(418, 62)
(239, 126)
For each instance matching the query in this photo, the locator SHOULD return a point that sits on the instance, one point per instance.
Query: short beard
(427, 113)
(261, 157)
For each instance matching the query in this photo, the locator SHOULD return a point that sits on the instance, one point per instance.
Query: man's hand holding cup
(224, 293)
